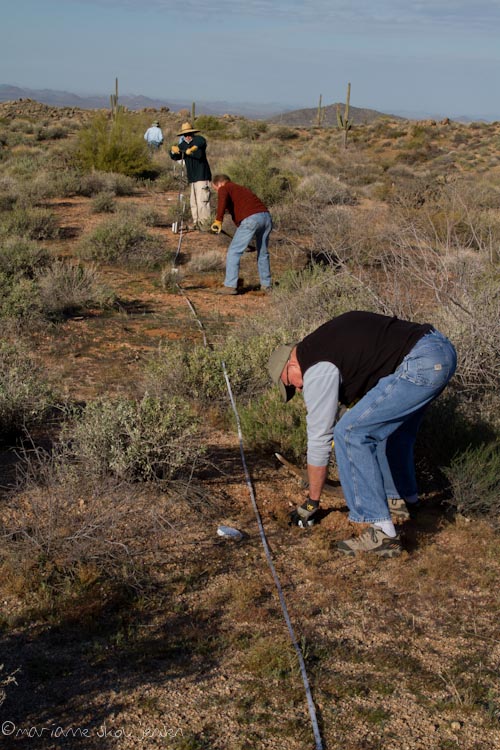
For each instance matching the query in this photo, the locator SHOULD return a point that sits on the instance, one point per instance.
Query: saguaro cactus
(114, 101)
(343, 121)
(321, 111)
(193, 113)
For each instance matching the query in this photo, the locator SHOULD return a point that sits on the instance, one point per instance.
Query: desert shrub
(66, 183)
(211, 260)
(326, 190)
(19, 298)
(34, 223)
(102, 182)
(7, 201)
(474, 476)
(306, 299)
(260, 173)
(25, 396)
(252, 130)
(37, 190)
(103, 203)
(167, 180)
(269, 425)
(55, 545)
(124, 241)
(22, 257)
(113, 146)
(66, 288)
(54, 133)
(196, 372)
(147, 215)
(153, 439)
(282, 133)
(210, 124)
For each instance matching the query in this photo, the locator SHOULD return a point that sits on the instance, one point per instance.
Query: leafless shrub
(66, 287)
(212, 260)
(5, 681)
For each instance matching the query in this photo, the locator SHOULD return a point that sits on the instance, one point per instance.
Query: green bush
(33, 223)
(252, 130)
(124, 241)
(19, 298)
(114, 146)
(154, 439)
(475, 481)
(22, 257)
(260, 173)
(196, 371)
(269, 425)
(25, 396)
(210, 124)
(103, 203)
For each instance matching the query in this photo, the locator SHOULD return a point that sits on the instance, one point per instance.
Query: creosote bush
(153, 439)
(124, 241)
(103, 203)
(196, 371)
(261, 172)
(25, 397)
(33, 223)
(269, 425)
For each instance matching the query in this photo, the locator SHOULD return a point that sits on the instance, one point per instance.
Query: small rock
(456, 726)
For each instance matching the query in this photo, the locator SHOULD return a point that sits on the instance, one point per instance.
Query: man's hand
(216, 227)
(175, 150)
(191, 150)
(303, 515)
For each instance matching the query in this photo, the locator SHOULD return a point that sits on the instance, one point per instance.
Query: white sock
(387, 527)
(411, 499)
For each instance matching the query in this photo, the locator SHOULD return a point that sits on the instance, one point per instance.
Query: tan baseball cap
(275, 366)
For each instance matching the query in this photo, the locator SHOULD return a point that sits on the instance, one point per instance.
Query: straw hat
(187, 128)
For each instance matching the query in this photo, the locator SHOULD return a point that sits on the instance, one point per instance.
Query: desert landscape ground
(125, 619)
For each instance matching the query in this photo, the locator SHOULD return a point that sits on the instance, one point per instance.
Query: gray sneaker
(372, 540)
(227, 290)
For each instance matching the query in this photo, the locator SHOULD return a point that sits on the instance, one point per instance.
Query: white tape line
(310, 702)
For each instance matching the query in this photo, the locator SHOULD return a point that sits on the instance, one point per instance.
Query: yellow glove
(175, 150)
(191, 150)
(216, 227)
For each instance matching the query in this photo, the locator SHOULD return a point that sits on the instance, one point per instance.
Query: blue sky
(428, 56)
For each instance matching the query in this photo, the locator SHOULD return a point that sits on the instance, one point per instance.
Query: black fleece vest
(364, 346)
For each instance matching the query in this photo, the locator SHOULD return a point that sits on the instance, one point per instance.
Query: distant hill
(134, 102)
(309, 117)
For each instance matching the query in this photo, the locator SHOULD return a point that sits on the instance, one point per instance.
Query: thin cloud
(357, 13)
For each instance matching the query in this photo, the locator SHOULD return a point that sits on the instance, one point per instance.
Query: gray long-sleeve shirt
(321, 395)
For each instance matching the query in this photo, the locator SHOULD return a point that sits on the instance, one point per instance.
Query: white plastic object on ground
(229, 533)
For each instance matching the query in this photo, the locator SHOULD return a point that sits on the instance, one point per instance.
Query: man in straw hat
(193, 149)
(389, 370)
(153, 136)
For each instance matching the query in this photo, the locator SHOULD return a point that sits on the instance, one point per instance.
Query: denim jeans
(260, 226)
(374, 440)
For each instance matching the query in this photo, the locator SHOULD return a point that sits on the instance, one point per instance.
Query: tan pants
(200, 203)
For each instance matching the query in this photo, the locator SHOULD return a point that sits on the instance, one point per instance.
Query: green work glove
(216, 227)
(175, 150)
(303, 515)
(191, 150)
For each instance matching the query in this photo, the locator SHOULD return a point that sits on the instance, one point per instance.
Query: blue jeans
(374, 440)
(260, 226)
